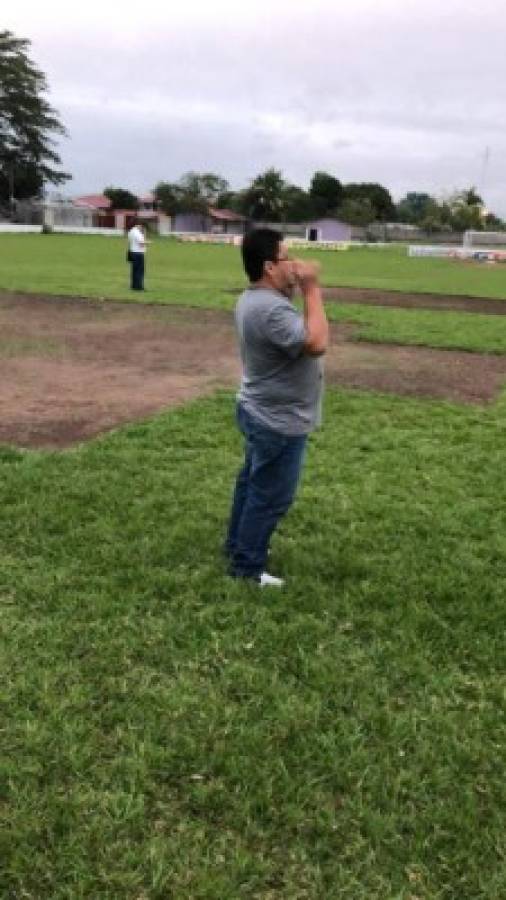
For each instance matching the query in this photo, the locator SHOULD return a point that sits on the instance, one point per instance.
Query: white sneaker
(266, 580)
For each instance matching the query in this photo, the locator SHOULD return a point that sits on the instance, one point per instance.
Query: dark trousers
(137, 271)
(264, 491)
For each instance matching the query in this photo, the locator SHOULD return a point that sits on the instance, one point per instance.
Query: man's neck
(263, 283)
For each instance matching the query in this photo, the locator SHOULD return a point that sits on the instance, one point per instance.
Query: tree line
(29, 161)
(270, 198)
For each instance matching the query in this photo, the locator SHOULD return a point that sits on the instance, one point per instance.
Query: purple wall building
(328, 230)
(217, 221)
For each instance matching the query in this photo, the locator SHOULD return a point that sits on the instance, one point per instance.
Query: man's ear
(268, 267)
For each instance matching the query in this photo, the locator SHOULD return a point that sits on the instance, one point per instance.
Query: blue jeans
(137, 271)
(264, 492)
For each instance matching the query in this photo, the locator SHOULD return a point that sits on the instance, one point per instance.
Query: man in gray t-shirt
(281, 384)
(279, 401)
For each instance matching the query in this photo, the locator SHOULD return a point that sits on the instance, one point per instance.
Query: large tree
(414, 207)
(466, 210)
(378, 196)
(297, 205)
(491, 222)
(194, 192)
(200, 190)
(326, 193)
(264, 199)
(167, 195)
(121, 198)
(357, 211)
(27, 125)
(461, 210)
(437, 217)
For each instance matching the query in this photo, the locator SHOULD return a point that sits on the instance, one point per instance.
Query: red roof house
(93, 201)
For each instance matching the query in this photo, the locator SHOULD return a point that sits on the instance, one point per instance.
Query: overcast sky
(410, 93)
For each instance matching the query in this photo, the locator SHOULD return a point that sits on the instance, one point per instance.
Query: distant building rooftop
(225, 215)
(93, 201)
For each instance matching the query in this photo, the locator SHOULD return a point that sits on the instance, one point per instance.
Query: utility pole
(484, 172)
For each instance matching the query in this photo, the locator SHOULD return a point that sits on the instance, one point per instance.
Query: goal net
(489, 239)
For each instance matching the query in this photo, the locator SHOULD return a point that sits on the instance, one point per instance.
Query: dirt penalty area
(71, 369)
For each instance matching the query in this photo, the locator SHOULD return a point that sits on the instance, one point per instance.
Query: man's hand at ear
(315, 320)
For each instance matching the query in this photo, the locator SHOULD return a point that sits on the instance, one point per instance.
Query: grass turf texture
(167, 732)
(445, 330)
(204, 275)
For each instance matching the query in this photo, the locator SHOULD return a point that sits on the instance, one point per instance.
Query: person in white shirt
(136, 255)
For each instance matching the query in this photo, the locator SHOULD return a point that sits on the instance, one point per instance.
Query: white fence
(6, 227)
(483, 254)
(304, 244)
(105, 232)
(13, 228)
(204, 237)
(431, 250)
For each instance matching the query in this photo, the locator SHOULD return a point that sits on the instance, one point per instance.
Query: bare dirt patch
(417, 371)
(71, 369)
(369, 297)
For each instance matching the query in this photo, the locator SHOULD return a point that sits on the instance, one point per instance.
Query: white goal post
(488, 239)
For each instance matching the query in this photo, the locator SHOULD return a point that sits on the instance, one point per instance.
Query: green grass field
(167, 732)
(95, 266)
(210, 276)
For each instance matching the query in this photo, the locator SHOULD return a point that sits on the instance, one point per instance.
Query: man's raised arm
(315, 319)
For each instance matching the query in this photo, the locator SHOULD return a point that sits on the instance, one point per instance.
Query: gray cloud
(405, 92)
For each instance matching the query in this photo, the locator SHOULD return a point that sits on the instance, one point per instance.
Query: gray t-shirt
(281, 385)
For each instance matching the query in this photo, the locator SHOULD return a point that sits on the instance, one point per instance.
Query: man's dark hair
(258, 247)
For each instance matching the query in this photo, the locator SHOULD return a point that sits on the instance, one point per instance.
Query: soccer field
(211, 276)
(169, 732)
(201, 274)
